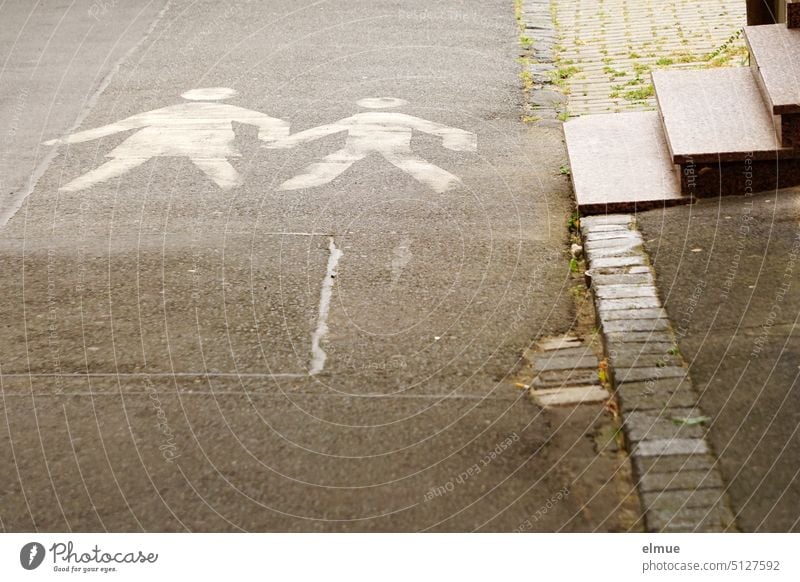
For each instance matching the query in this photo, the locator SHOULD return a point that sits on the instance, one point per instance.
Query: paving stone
(679, 500)
(691, 519)
(684, 479)
(714, 115)
(621, 163)
(652, 313)
(641, 425)
(657, 448)
(636, 359)
(560, 343)
(596, 229)
(776, 58)
(615, 245)
(628, 303)
(634, 338)
(623, 375)
(705, 527)
(625, 291)
(640, 269)
(618, 262)
(541, 72)
(544, 52)
(545, 39)
(571, 396)
(548, 118)
(576, 352)
(656, 346)
(673, 463)
(630, 250)
(637, 325)
(622, 233)
(546, 364)
(624, 270)
(547, 98)
(556, 379)
(668, 385)
(643, 400)
(538, 23)
(627, 240)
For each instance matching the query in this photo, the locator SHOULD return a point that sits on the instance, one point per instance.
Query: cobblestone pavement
(607, 48)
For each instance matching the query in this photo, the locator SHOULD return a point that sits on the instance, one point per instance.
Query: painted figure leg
(220, 170)
(434, 176)
(113, 168)
(324, 171)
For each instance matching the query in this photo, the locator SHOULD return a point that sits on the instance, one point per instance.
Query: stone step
(722, 133)
(620, 163)
(775, 60)
(716, 115)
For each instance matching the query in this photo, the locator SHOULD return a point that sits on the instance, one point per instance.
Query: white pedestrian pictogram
(388, 134)
(201, 131)
(402, 256)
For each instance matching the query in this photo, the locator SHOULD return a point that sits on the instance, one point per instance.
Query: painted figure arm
(452, 138)
(133, 122)
(270, 129)
(306, 136)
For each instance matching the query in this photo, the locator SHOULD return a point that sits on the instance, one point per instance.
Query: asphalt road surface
(209, 325)
(729, 272)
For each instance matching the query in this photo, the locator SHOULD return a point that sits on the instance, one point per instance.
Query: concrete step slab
(716, 115)
(621, 163)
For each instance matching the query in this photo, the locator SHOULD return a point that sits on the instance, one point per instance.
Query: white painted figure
(388, 134)
(201, 131)
(402, 256)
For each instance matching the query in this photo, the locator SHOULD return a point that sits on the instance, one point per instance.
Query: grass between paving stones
(556, 79)
(617, 76)
(728, 52)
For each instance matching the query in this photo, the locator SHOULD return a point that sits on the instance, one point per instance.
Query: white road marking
(318, 355)
(402, 255)
(388, 134)
(201, 131)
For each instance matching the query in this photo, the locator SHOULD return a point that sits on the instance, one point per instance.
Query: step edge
(681, 158)
(667, 137)
(786, 109)
(755, 68)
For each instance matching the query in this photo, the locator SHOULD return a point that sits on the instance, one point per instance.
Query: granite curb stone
(679, 482)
